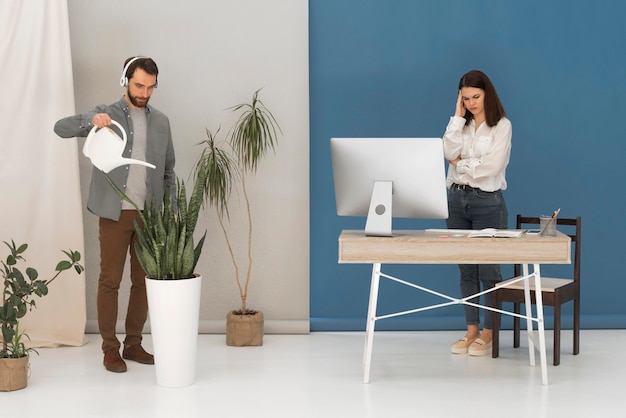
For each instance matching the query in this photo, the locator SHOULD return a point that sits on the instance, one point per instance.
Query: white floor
(320, 375)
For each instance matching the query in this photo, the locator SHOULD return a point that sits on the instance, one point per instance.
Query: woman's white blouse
(484, 153)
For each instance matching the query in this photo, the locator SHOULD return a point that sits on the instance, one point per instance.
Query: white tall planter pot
(174, 307)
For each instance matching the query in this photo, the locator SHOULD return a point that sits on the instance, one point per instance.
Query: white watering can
(104, 148)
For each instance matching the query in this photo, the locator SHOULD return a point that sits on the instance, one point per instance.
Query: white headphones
(124, 78)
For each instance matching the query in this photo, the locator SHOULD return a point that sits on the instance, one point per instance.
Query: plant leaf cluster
(254, 134)
(220, 172)
(18, 289)
(165, 244)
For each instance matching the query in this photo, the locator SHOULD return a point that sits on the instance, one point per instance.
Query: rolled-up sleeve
(453, 138)
(77, 125)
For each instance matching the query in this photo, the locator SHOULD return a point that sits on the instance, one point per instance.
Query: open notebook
(497, 233)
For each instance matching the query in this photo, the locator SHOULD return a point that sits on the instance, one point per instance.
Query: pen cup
(547, 226)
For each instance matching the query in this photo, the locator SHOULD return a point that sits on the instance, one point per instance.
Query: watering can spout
(104, 148)
(111, 164)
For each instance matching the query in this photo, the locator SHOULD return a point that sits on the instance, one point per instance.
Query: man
(149, 139)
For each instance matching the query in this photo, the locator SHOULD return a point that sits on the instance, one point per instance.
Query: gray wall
(213, 55)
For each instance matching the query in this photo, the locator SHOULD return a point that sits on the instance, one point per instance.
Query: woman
(477, 145)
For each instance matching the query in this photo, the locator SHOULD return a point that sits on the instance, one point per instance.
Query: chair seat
(548, 284)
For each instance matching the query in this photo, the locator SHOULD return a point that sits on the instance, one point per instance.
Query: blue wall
(391, 68)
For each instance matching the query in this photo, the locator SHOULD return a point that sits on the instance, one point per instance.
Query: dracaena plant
(19, 287)
(221, 166)
(165, 244)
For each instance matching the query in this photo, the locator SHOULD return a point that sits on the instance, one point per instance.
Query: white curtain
(39, 174)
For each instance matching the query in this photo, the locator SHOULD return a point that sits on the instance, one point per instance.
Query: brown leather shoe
(138, 354)
(113, 362)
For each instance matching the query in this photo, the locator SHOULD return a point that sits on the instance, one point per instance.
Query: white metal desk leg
(371, 321)
(540, 325)
(529, 315)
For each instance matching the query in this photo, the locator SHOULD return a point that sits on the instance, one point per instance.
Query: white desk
(435, 247)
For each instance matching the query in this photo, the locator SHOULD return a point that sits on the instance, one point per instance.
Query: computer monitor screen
(383, 178)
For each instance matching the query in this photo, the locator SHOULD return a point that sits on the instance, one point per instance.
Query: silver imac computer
(383, 178)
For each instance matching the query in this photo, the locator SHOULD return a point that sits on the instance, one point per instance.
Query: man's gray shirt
(103, 201)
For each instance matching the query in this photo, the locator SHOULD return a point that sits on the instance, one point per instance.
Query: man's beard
(136, 102)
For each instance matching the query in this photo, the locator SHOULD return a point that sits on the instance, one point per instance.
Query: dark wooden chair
(554, 292)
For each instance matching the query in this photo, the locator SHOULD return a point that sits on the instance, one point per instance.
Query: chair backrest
(575, 236)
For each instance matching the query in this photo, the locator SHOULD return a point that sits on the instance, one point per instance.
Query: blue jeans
(475, 209)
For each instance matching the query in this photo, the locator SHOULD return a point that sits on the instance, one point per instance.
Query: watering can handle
(121, 130)
(93, 131)
(113, 122)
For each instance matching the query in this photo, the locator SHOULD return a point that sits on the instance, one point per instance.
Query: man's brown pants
(116, 239)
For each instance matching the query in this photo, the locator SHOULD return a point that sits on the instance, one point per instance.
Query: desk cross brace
(453, 301)
(533, 341)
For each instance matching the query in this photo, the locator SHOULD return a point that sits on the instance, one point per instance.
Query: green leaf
(19, 279)
(147, 261)
(11, 261)
(198, 250)
(7, 333)
(21, 309)
(187, 259)
(63, 265)
(41, 287)
(22, 248)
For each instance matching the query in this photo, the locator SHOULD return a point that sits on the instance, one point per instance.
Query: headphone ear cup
(124, 78)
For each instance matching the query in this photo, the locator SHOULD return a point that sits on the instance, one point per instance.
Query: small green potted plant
(167, 252)
(19, 287)
(221, 167)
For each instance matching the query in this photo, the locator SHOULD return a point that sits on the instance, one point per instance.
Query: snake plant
(165, 244)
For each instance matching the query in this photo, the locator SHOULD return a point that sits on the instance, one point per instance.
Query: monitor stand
(379, 217)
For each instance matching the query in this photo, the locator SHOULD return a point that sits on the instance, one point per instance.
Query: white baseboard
(215, 326)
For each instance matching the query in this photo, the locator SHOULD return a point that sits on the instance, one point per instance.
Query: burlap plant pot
(244, 330)
(13, 373)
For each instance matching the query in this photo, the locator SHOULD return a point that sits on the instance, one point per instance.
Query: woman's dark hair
(146, 64)
(494, 111)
